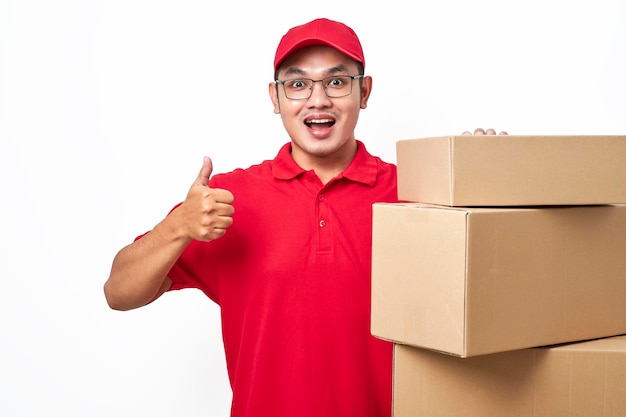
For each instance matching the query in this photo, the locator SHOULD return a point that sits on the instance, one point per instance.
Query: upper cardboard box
(512, 170)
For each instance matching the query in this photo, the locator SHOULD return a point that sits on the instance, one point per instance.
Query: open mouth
(319, 123)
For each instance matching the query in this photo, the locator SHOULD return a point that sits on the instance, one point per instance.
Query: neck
(326, 167)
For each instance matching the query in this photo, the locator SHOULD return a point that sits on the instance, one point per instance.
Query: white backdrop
(107, 107)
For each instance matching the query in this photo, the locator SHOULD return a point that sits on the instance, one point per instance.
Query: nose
(318, 95)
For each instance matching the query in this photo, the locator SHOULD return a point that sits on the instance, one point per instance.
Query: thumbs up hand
(207, 212)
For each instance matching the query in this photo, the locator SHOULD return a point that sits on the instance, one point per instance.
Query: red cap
(320, 32)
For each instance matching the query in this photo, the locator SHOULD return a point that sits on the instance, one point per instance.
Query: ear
(366, 90)
(273, 90)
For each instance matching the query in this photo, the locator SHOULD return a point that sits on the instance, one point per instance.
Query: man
(284, 247)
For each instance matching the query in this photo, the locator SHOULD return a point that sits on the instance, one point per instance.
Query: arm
(139, 271)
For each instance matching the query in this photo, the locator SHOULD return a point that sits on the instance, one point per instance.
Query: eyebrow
(329, 71)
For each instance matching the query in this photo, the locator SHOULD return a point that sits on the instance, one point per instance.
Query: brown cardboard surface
(512, 170)
(473, 281)
(581, 379)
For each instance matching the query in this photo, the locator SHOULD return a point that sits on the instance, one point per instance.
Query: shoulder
(267, 171)
(257, 172)
(384, 165)
(365, 158)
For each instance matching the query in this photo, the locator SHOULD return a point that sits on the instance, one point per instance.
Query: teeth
(320, 121)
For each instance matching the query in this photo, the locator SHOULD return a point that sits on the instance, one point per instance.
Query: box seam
(466, 285)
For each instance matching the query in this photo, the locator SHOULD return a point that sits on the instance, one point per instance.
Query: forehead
(317, 60)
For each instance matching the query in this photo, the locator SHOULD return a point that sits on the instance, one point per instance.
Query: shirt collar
(363, 168)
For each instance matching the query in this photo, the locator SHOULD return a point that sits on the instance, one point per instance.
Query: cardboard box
(483, 171)
(584, 379)
(472, 281)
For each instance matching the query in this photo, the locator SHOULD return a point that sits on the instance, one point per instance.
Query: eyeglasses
(334, 86)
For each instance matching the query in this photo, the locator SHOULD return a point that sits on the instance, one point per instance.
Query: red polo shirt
(292, 278)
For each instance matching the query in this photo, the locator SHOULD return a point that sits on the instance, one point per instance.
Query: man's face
(320, 126)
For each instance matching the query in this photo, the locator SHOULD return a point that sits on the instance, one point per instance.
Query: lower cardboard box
(473, 281)
(585, 379)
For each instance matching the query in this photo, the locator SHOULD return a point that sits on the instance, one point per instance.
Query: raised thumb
(205, 173)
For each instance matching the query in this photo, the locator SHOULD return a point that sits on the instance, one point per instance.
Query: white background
(107, 107)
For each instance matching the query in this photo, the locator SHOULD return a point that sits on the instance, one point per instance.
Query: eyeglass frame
(352, 78)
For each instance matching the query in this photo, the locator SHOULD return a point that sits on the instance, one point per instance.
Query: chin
(322, 147)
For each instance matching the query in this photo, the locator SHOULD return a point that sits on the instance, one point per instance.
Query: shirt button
(322, 223)
(321, 197)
